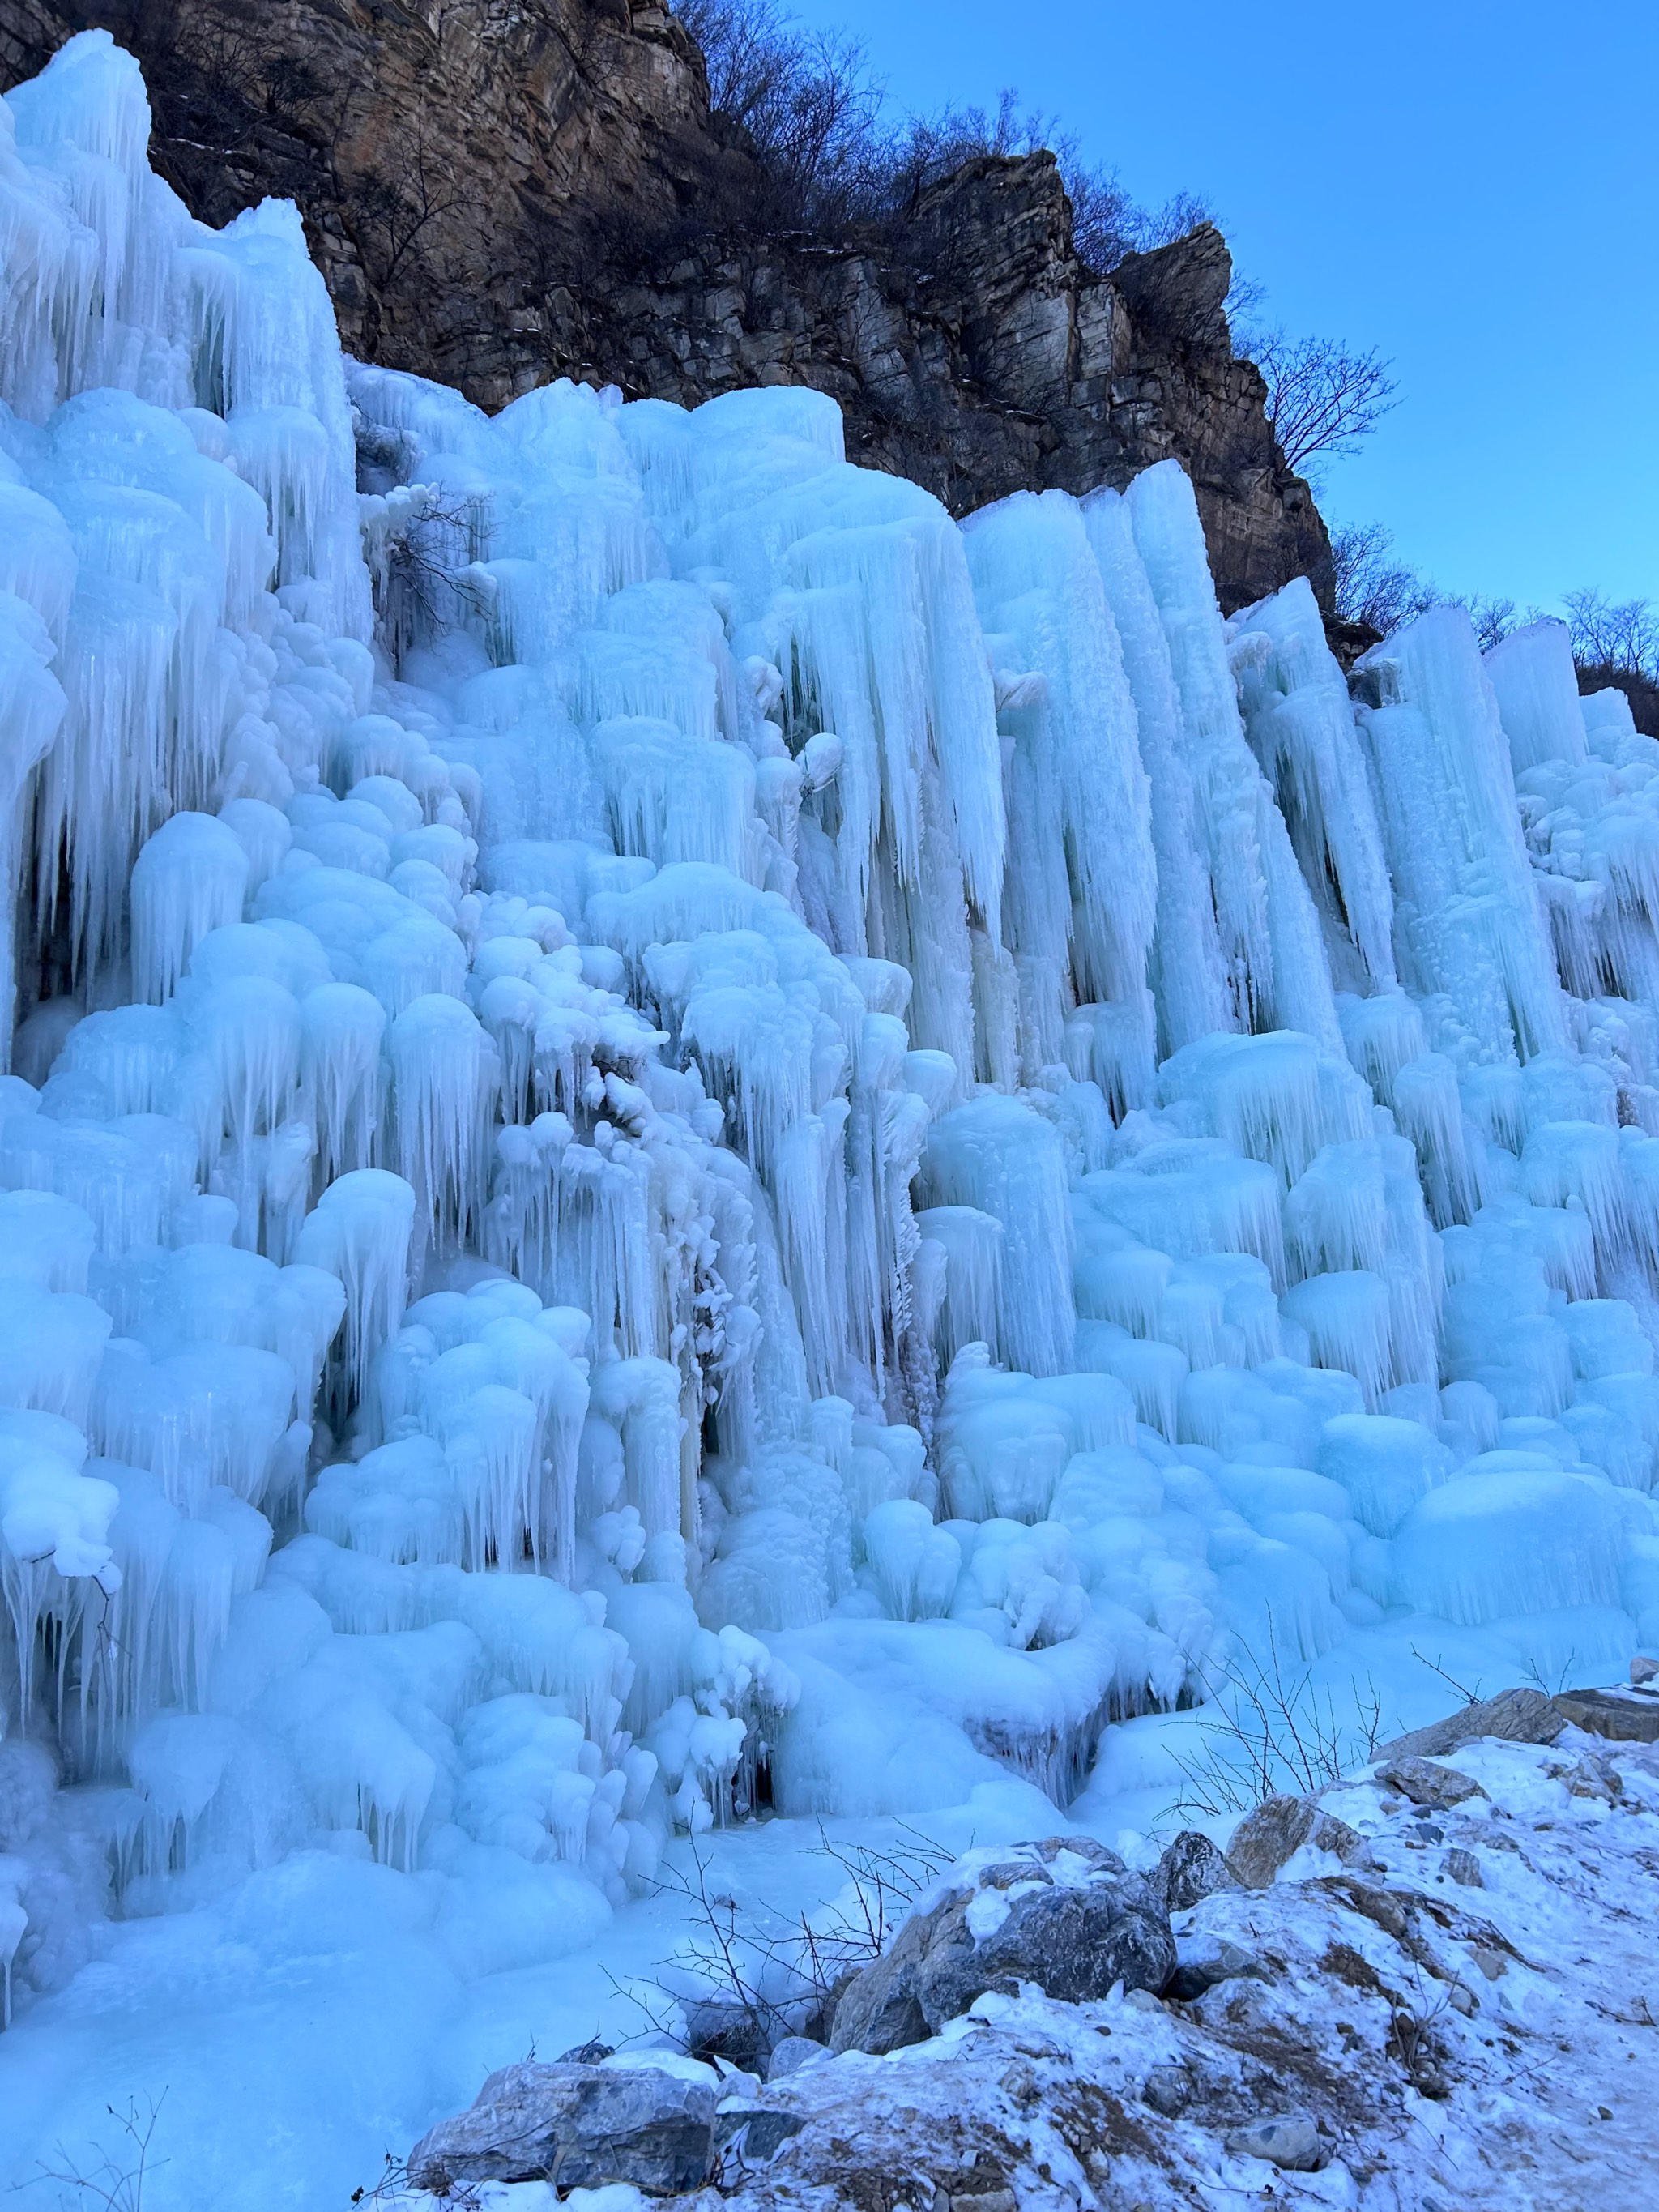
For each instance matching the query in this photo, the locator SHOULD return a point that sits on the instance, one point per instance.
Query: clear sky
(1473, 187)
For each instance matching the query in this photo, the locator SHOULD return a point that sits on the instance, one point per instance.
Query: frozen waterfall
(683, 1139)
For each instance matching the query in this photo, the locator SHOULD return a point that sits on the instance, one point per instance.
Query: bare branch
(1322, 397)
(1371, 587)
(818, 120)
(1275, 1731)
(116, 2181)
(1619, 636)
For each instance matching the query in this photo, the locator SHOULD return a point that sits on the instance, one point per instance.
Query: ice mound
(681, 1137)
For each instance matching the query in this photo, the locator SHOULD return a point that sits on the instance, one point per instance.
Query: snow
(689, 1152)
(1462, 2014)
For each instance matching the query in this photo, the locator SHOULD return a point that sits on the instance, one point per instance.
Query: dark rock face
(580, 2126)
(1074, 1943)
(502, 191)
(448, 156)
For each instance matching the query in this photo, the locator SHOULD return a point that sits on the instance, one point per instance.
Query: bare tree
(1322, 397)
(398, 212)
(1371, 587)
(1492, 619)
(1616, 642)
(747, 1975)
(1620, 637)
(818, 121)
(807, 100)
(746, 45)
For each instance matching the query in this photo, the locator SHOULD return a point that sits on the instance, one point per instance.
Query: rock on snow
(1388, 2041)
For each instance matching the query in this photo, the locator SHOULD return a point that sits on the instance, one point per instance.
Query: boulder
(1514, 1717)
(1191, 1869)
(790, 2053)
(1074, 1938)
(1425, 1782)
(577, 2126)
(1622, 1716)
(1289, 2140)
(1267, 1837)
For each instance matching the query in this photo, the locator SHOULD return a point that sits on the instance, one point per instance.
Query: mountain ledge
(502, 191)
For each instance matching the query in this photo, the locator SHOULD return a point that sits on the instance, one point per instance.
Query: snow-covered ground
(1469, 2019)
(688, 1152)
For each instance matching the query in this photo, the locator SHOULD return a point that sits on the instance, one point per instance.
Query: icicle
(1471, 917)
(190, 877)
(360, 1230)
(998, 1157)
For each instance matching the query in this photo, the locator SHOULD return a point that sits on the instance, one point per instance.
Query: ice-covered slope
(684, 1138)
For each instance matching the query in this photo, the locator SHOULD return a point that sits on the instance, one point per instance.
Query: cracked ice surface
(683, 1141)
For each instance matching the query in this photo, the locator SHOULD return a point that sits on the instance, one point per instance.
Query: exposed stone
(1086, 1848)
(1074, 1943)
(1513, 1716)
(1584, 1779)
(588, 2054)
(1342, 1842)
(1267, 1838)
(504, 193)
(881, 2010)
(1622, 1716)
(579, 2126)
(1643, 1669)
(1191, 1869)
(1203, 1960)
(1289, 2140)
(756, 2131)
(790, 2053)
(1464, 1866)
(1427, 1783)
(1168, 2090)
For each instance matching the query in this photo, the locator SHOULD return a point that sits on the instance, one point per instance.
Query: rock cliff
(501, 191)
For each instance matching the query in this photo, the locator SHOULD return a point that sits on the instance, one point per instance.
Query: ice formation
(681, 1137)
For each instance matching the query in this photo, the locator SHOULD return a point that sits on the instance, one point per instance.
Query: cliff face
(501, 191)
(986, 359)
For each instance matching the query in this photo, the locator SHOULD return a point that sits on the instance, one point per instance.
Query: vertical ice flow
(677, 1129)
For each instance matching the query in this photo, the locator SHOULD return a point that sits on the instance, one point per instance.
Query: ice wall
(679, 1134)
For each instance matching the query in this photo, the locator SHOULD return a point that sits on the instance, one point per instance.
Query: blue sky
(1471, 187)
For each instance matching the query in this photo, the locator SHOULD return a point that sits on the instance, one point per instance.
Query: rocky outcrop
(502, 191)
(581, 2126)
(986, 359)
(1479, 2003)
(451, 158)
(1066, 1916)
(1513, 1715)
